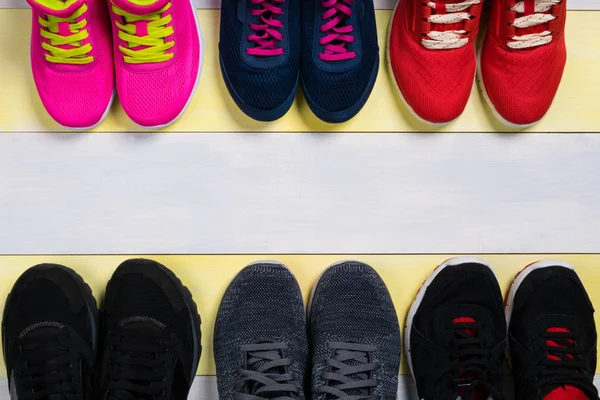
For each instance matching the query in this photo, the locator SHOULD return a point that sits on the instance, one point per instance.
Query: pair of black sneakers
(145, 345)
(458, 331)
(349, 349)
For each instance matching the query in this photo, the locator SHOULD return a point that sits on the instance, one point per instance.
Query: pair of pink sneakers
(152, 48)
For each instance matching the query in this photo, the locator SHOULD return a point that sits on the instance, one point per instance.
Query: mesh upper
(77, 95)
(521, 85)
(436, 84)
(550, 297)
(144, 288)
(339, 89)
(259, 88)
(263, 302)
(352, 304)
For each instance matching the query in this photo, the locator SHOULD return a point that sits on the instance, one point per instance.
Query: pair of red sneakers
(432, 55)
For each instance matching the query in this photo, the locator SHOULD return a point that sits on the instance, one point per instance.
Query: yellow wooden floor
(208, 276)
(212, 110)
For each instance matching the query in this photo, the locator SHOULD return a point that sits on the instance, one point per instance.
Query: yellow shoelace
(79, 54)
(157, 46)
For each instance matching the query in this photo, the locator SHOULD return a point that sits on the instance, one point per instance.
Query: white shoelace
(534, 39)
(452, 39)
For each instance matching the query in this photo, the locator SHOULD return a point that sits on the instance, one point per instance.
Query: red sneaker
(432, 56)
(523, 58)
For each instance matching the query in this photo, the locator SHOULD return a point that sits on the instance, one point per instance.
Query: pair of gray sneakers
(264, 346)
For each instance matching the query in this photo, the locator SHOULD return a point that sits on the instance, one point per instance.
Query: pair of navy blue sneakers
(268, 46)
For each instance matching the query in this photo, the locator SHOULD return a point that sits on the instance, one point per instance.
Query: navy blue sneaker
(340, 56)
(259, 53)
(260, 341)
(355, 335)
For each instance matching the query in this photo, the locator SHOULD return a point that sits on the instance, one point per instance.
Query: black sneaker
(151, 332)
(355, 335)
(456, 333)
(260, 338)
(49, 335)
(552, 334)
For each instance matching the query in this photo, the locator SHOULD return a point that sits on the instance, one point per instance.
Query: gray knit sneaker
(355, 335)
(260, 340)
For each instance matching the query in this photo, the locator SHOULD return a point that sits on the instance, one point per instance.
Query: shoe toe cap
(263, 94)
(436, 85)
(75, 100)
(336, 96)
(521, 86)
(157, 97)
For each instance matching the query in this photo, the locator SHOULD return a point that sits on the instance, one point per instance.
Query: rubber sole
(89, 298)
(421, 294)
(193, 313)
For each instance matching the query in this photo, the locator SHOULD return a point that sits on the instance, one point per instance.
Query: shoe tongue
(257, 385)
(56, 396)
(41, 329)
(359, 376)
(477, 393)
(56, 8)
(566, 393)
(466, 320)
(563, 345)
(44, 329)
(142, 323)
(140, 7)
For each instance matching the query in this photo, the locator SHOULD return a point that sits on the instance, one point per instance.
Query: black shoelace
(266, 374)
(45, 366)
(473, 361)
(138, 364)
(349, 372)
(563, 362)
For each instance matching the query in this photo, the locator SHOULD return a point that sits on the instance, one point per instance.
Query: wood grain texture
(213, 110)
(299, 193)
(380, 4)
(205, 388)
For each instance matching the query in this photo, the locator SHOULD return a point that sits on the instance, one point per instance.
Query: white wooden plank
(299, 193)
(380, 4)
(205, 388)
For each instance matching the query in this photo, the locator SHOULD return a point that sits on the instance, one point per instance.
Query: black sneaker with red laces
(456, 333)
(552, 334)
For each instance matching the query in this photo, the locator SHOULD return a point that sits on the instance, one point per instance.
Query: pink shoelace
(338, 35)
(267, 34)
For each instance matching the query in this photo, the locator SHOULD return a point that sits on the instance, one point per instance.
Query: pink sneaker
(157, 58)
(71, 60)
